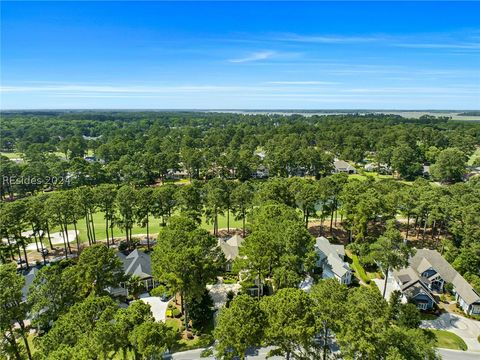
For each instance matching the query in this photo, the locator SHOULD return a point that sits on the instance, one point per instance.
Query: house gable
(331, 260)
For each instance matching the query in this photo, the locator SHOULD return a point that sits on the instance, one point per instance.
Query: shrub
(230, 296)
(159, 291)
(176, 313)
(206, 353)
(359, 270)
(230, 281)
(449, 288)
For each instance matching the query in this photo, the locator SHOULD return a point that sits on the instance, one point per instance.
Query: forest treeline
(445, 217)
(139, 148)
(130, 151)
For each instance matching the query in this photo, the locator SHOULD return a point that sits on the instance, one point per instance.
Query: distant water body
(407, 114)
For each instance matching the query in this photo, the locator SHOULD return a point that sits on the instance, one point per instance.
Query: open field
(18, 155)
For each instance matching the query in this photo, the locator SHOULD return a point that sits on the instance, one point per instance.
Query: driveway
(458, 355)
(158, 307)
(258, 354)
(467, 329)
(390, 285)
(219, 291)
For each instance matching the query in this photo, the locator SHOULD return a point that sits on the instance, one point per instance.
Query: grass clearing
(363, 175)
(11, 155)
(358, 269)
(198, 341)
(474, 156)
(154, 228)
(448, 340)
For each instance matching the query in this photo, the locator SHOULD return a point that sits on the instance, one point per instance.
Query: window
(422, 306)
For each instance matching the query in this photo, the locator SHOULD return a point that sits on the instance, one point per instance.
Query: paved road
(458, 355)
(195, 355)
(446, 355)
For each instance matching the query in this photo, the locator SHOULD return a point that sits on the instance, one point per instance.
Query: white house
(331, 261)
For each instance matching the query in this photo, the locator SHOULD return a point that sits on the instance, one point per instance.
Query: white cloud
(463, 46)
(327, 39)
(302, 82)
(256, 56)
(81, 88)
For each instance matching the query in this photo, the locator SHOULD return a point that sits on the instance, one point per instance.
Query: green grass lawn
(184, 344)
(427, 316)
(155, 225)
(358, 269)
(448, 340)
(11, 155)
(475, 155)
(365, 175)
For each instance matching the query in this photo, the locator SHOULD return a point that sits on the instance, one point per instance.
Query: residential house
(29, 277)
(90, 159)
(262, 171)
(231, 249)
(331, 261)
(472, 171)
(426, 170)
(343, 166)
(177, 174)
(137, 263)
(380, 168)
(412, 288)
(427, 274)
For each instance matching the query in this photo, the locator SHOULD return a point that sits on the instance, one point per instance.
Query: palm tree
(134, 286)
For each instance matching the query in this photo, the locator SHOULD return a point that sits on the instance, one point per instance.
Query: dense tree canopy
(186, 258)
(183, 171)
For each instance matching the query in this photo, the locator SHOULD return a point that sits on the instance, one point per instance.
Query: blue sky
(226, 55)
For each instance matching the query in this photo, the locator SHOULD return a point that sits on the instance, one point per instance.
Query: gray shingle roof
(418, 288)
(231, 247)
(342, 165)
(465, 290)
(425, 259)
(137, 263)
(332, 254)
(28, 281)
(405, 277)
